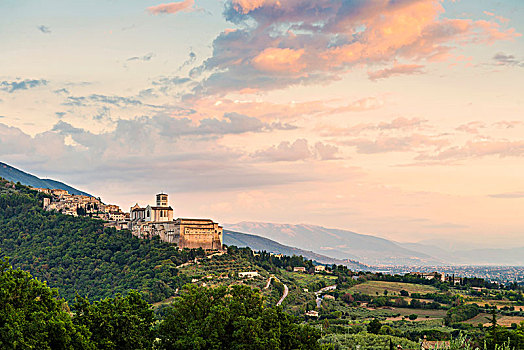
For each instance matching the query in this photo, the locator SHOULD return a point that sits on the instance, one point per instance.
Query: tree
(33, 317)
(117, 323)
(347, 298)
(404, 293)
(230, 318)
(374, 326)
(493, 333)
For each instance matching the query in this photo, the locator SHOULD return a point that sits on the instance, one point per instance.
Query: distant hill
(339, 244)
(12, 174)
(260, 243)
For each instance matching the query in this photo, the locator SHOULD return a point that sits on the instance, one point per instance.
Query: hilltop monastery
(145, 223)
(186, 233)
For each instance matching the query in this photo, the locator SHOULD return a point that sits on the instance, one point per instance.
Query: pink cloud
(397, 124)
(361, 105)
(384, 143)
(471, 127)
(172, 7)
(508, 124)
(478, 149)
(397, 69)
(316, 41)
(279, 60)
(500, 18)
(246, 6)
(299, 150)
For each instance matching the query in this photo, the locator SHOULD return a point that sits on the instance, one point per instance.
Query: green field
(304, 280)
(421, 313)
(393, 288)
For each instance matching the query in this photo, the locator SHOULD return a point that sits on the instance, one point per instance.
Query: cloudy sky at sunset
(398, 118)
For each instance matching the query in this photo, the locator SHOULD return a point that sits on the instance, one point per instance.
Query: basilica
(150, 221)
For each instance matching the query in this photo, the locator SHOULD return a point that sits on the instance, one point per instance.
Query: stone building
(158, 220)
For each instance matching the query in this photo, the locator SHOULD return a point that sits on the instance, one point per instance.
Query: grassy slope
(373, 287)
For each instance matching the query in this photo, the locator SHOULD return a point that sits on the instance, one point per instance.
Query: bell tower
(161, 200)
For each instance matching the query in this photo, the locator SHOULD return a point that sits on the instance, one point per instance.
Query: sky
(398, 118)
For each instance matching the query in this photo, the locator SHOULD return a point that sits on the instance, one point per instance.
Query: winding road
(286, 291)
(268, 282)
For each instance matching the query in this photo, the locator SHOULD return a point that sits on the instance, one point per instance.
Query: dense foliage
(77, 255)
(33, 317)
(461, 313)
(122, 323)
(230, 318)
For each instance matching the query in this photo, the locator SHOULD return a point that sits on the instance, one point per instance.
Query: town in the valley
(144, 222)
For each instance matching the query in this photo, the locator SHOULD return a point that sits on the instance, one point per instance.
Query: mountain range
(258, 243)
(372, 250)
(12, 174)
(339, 244)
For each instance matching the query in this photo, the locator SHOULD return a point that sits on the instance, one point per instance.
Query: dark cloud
(12, 86)
(144, 58)
(502, 59)
(189, 61)
(171, 81)
(96, 99)
(62, 91)
(282, 126)
(160, 149)
(44, 29)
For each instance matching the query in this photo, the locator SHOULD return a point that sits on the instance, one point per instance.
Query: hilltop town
(144, 222)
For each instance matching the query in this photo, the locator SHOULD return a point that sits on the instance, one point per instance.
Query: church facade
(150, 221)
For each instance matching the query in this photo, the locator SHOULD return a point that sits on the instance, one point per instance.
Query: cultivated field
(374, 287)
(304, 280)
(505, 321)
(497, 303)
(422, 314)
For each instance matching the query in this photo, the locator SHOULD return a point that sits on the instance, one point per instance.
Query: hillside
(77, 255)
(12, 174)
(339, 244)
(258, 243)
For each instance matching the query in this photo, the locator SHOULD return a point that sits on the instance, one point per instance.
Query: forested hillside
(15, 175)
(77, 255)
